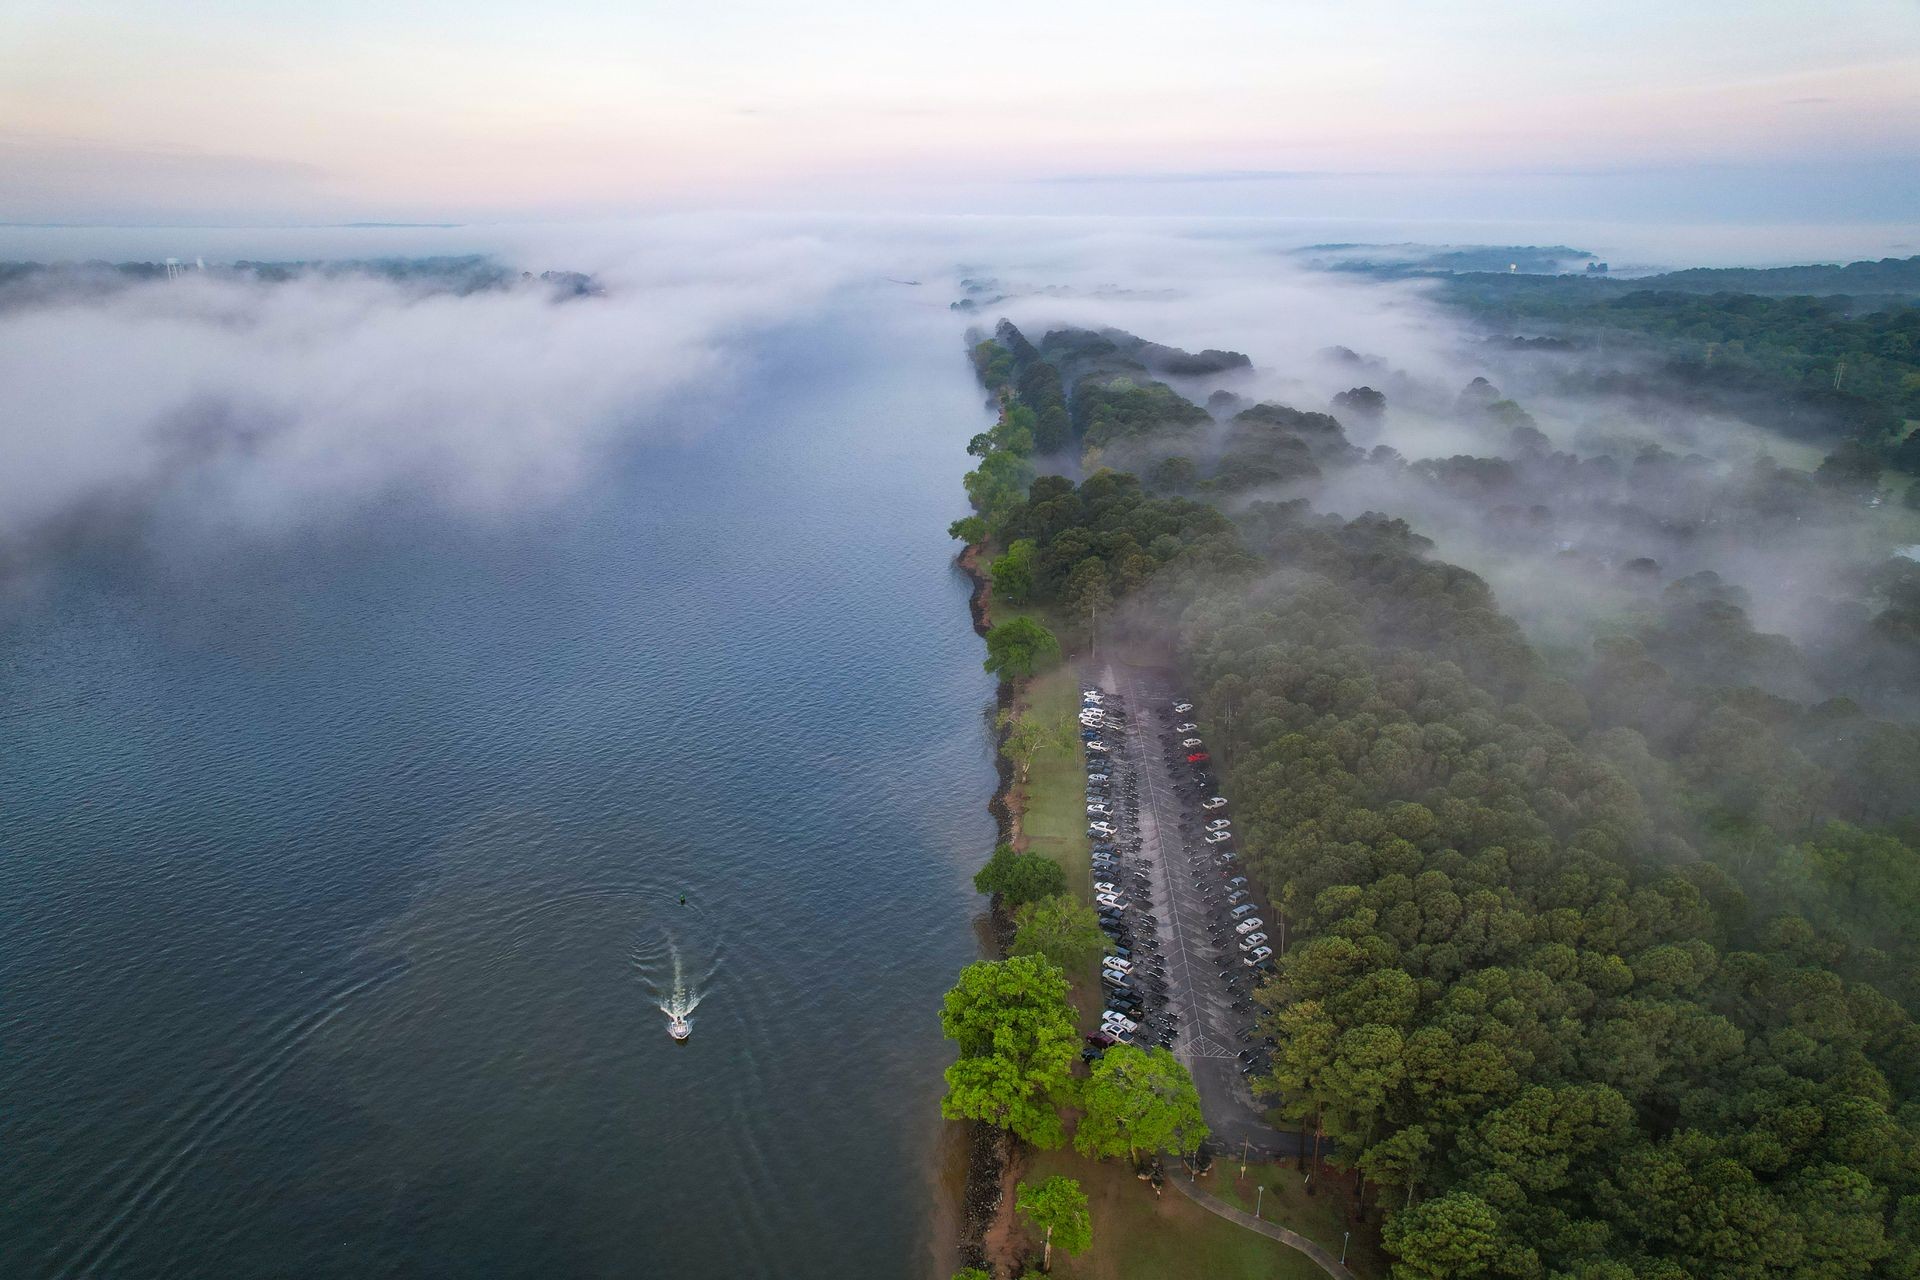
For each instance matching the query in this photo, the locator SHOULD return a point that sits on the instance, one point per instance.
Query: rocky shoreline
(989, 1150)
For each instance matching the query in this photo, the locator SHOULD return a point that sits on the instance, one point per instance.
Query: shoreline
(989, 1151)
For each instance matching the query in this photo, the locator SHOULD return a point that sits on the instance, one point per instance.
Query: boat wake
(676, 982)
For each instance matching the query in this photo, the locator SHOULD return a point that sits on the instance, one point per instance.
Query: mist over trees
(1604, 910)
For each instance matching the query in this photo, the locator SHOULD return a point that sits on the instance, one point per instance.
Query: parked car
(1248, 925)
(1185, 728)
(1113, 977)
(1242, 911)
(1219, 837)
(1258, 954)
(1198, 757)
(1238, 882)
(1111, 900)
(1099, 810)
(1220, 824)
(1252, 940)
(1214, 802)
(1183, 707)
(1096, 745)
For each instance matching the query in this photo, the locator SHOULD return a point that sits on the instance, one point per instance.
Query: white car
(1118, 963)
(1258, 954)
(1218, 802)
(1098, 810)
(1191, 743)
(1220, 824)
(1238, 882)
(1113, 977)
(1183, 707)
(1242, 911)
(1101, 829)
(1219, 837)
(1188, 727)
(1118, 1024)
(1104, 886)
(1093, 695)
(1252, 940)
(1249, 924)
(1097, 747)
(1113, 900)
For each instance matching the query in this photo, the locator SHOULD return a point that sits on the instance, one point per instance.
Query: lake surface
(342, 870)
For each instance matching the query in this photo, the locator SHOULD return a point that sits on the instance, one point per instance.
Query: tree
(1397, 1159)
(1017, 877)
(1013, 571)
(968, 529)
(1060, 928)
(1139, 1098)
(1025, 735)
(971, 1273)
(1018, 647)
(1018, 1041)
(1057, 1207)
(1456, 1235)
(1088, 592)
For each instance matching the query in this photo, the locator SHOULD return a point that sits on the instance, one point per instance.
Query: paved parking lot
(1161, 835)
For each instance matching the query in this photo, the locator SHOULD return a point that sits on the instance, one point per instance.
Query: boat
(679, 1028)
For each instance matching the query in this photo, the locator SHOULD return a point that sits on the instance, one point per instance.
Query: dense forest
(1601, 955)
(1840, 369)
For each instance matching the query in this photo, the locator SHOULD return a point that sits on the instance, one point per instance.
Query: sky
(298, 111)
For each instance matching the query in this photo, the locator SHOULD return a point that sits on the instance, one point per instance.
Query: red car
(1198, 757)
(1101, 1040)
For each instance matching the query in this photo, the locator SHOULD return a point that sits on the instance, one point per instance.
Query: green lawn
(1321, 1218)
(1054, 811)
(1139, 1237)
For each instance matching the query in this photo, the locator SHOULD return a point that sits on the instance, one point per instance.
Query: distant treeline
(29, 281)
(1826, 353)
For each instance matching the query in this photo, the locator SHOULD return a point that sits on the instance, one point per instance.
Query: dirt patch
(1005, 1245)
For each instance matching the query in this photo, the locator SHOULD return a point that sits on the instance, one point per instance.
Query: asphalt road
(1209, 1043)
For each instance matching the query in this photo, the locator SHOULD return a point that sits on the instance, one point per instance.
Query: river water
(342, 870)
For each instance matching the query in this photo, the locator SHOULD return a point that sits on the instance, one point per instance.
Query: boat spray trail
(677, 978)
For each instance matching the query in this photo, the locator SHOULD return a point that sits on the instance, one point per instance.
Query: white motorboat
(679, 1028)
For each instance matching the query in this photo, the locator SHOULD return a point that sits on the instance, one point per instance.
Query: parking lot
(1189, 978)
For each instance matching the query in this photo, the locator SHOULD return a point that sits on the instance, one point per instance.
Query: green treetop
(1058, 1208)
(1139, 1099)
(1018, 1041)
(1020, 877)
(1060, 928)
(1019, 647)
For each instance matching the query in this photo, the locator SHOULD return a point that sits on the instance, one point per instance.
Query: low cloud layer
(255, 406)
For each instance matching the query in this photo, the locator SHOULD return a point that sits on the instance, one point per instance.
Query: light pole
(1259, 1195)
(1243, 1159)
(1343, 1247)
